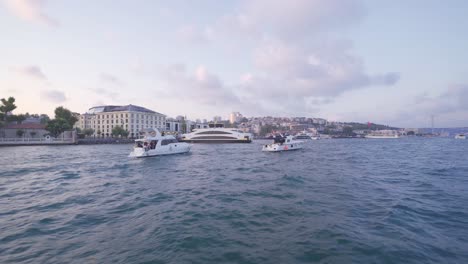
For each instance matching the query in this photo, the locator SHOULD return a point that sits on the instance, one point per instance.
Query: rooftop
(25, 126)
(120, 108)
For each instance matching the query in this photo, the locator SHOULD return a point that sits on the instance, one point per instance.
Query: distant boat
(283, 144)
(217, 133)
(303, 135)
(460, 136)
(383, 134)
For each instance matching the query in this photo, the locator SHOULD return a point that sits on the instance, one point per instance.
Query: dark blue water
(336, 201)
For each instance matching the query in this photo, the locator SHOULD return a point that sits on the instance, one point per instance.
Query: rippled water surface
(335, 201)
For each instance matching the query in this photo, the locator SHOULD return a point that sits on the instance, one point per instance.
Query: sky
(390, 62)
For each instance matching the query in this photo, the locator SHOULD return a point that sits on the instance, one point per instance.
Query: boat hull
(214, 141)
(171, 149)
(381, 137)
(281, 147)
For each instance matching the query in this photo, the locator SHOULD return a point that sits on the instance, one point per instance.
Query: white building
(132, 118)
(235, 117)
(217, 119)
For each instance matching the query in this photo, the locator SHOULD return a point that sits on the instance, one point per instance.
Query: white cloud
(200, 86)
(450, 108)
(110, 79)
(31, 71)
(194, 35)
(54, 96)
(31, 10)
(299, 62)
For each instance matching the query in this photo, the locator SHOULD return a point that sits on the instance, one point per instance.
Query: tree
(266, 129)
(16, 118)
(99, 133)
(19, 132)
(64, 120)
(65, 114)
(119, 131)
(57, 127)
(8, 105)
(44, 119)
(88, 132)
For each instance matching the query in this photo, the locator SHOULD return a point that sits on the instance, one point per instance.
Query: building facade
(235, 117)
(132, 118)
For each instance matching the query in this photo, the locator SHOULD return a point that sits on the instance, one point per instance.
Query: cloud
(450, 108)
(31, 10)
(199, 86)
(300, 18)
(105, 93)
(317, 72)
(194, 35)
(54, 96)
(110, 79)
(299, 61)
(31, 71)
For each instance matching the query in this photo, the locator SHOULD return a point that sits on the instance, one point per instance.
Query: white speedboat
(460, 136)
(153, 143)
(216, 133)
(283, 144)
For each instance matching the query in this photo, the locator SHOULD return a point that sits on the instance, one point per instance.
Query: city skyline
(388, 62)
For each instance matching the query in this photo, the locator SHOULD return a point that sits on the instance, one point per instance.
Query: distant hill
(452, 131)
(360, 126)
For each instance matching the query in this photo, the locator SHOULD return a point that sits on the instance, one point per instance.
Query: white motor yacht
(217, 133)
(460, 136)
(283, 144)
(153, 143)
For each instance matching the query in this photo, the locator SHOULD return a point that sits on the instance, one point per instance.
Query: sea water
(335, 201)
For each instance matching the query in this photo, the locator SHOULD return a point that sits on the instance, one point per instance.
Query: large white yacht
(153, 143)
(460, 136)
(217, 133)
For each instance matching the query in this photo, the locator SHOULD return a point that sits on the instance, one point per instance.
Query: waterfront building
(132, 118)
(217, 119)
(235, 117)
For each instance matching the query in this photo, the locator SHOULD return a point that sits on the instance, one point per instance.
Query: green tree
(16, 118)
(57, 127)
(44, 119)
(266, 129)
(8, 105)
(119, 131)
(99, 133)
(19, 133)
(88, 132)
(65, 114)
(64, 120)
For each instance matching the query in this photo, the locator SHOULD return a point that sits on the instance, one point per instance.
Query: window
(212, 132)
(168, 141)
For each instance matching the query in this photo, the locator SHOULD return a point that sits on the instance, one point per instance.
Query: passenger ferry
(154, 143)
(303, 135)
(383, 134)
(217, 133)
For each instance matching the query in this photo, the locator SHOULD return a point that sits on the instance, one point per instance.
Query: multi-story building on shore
(132, 118)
